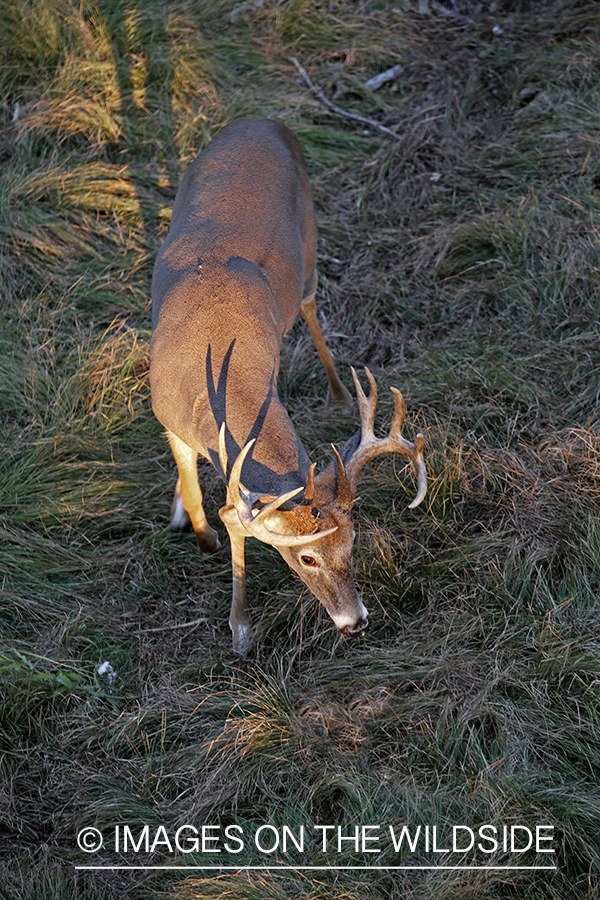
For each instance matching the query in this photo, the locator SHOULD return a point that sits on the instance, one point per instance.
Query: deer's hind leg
(187, 503)
(308, 310)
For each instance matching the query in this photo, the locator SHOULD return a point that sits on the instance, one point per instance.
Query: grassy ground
(460, 262)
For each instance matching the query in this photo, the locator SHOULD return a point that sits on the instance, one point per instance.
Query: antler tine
(413, 451)
(243, 504)
(233, 487)
(399, 416)
(366, 406)
(222, 450)
(419, 465)
(345, 496)
(309, 490)
(370, 446)
(254, 524)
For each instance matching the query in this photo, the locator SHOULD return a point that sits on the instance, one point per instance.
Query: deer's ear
(298, 520)
(278, 527)
(281, 522)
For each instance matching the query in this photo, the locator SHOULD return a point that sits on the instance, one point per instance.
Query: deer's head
(316, 536)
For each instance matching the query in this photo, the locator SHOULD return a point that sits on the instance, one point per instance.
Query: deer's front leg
(239, 617)
(187, 503)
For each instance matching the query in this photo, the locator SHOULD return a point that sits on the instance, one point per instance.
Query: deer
(237, 265)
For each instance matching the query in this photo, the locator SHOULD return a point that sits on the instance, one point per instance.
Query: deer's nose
(358, 629)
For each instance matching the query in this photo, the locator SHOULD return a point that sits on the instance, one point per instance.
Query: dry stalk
(337, 109)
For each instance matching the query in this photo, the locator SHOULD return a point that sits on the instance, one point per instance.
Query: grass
(460, 262)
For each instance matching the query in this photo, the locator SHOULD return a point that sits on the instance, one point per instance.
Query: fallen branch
(373, 84)
(192, 624)
(337, 109)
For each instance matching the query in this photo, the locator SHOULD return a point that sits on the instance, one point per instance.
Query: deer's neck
(215, 359)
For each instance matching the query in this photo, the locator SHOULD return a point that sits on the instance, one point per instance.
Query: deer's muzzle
(355, 630)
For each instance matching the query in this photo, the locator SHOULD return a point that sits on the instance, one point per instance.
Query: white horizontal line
(326, 868)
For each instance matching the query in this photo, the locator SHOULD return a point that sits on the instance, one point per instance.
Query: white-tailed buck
(236, 267)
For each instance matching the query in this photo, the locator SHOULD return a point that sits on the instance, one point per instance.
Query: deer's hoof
(342, 397)
(242, 639)
(208, 541)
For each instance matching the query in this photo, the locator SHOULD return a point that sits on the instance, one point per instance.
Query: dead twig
(192, 624)
(337, 109)
(373, 84)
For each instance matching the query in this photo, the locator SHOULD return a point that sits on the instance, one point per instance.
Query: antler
(255, 524)
(370, 446)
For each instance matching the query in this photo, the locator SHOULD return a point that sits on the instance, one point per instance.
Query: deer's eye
(309, 561)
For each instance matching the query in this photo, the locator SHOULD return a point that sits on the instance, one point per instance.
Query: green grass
(460, 263)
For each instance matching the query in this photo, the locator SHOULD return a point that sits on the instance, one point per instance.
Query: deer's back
(227, 285)
(247, 195)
